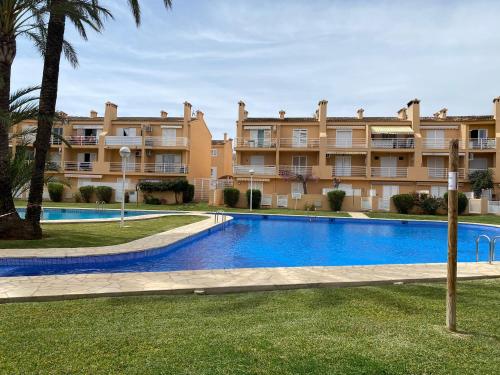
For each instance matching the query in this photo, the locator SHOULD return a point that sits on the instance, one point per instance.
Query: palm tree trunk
(10, 222)
(46, 113)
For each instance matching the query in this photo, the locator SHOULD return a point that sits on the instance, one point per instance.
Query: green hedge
(104, 193)
(86, 193)
(231, 196)
(55, 191)
(403, 202)
(256, 198)
(463, 201)
(180, 187)
(335, 198)
(188, 194)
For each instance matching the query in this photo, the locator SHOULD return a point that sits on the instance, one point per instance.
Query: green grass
(366, 330)
(484, 219)
(99, 234)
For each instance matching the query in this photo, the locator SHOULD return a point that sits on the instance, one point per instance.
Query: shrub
(77, 197)
(430, 205)
(148, 199)
(481, 180)
(463, 201)
(55, 191)
(336, 197)
(256, 198)
(188, 194)
(127, 197)
(104, 193)
(403, 202)
(231, 196)
(177, 186)
(86, 193)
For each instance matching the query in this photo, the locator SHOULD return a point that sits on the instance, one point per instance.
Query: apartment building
(162, 148)
(291, 159)
(222, 158)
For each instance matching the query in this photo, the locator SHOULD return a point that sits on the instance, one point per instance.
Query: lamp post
(251, 171)
(124, 153)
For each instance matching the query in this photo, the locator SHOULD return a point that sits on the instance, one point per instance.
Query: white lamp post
(251, 171)
(124, 153)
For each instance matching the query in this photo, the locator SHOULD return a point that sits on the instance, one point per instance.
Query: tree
(481, 180)
(82, 14)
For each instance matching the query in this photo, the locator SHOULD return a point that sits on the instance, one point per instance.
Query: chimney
(199, 115)
(163, 114)
(187, 111)
(63, 114)
(225, 137)
(322, 110)
(360, 113)
(242, 113)
(111, 111)
(402, 114)
(93, 114)
(441, 114)
(282, 114)
(496, 108)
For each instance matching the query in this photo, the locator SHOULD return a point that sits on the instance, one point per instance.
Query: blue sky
(283, 54)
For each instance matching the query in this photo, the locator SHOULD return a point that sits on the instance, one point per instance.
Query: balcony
(77, 140)
(482, 143)
(118, 167)
(119, 141)
(260, 170)
(256, 142)
(349, 171)
(346, 143)
(299, 143)
(166, 142)
(77, 166)
(52, 166)
(55, 141)
(166, 168)
(393, 143)
(438, 143)
(294, 170)
(442, 173)
(389, 172)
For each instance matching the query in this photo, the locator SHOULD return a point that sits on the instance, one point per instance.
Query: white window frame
(297, 188)
(257, 185)
(215, 152)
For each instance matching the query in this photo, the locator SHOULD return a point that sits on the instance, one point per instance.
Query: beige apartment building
(222, 158)
(294, 161)
(161, 147)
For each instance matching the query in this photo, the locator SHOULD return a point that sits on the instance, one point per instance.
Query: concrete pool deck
(60, 287)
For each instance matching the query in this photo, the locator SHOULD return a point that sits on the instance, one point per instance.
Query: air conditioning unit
(149, 153)
(138, 154)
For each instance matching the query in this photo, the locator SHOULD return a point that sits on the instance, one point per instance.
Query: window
(299, 138)
(257, 185)
(438, 191)
(214, 152)
(343, 138)
(297, 188)
(213, 172)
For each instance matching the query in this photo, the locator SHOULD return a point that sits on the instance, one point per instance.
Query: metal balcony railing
(256, 142)
(53, 166)
(345, 143)
(443, 173)
(482, 143)
(166, 168)
(438, 143)
(116, 140)
(80, 140)
(389, 172)
(166, 142)
(352, 171)
(294, 170)
(118, 167)
(78, 166)
(299, 142)
(266, 170)
(387, 143)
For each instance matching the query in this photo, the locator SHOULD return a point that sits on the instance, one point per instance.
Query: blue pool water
(79, 214)
(282, 242)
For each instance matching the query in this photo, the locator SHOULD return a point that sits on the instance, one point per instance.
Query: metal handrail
(100, 205)
(478, 238)
(492, 249)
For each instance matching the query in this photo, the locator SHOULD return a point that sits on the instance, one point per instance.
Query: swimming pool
(278, 241)
(86, 214)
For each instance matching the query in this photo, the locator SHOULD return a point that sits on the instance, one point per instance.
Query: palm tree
(82, 14)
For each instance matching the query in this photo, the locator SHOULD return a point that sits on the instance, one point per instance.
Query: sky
(282, 54)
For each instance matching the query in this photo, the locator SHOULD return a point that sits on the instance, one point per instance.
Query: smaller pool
(87, 214)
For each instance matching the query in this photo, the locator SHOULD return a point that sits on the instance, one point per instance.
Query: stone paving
(358, 215)
(58, 287)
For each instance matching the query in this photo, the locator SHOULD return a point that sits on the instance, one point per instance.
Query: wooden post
(451, 292)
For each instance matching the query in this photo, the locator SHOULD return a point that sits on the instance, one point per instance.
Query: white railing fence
(393, 143)
(389, 172)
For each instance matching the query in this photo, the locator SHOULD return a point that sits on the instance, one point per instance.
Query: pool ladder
(220, 217)
(100, 205)
(491, 243)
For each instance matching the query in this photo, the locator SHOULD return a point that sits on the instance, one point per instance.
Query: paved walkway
(30, 288)
(358, 215)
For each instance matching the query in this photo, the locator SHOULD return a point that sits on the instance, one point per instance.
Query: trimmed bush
(336, 197)
(463, 201)
(188, 194)
(403, 202)
(256, 198)
(86, 193)
(430, 205)
(127, 197)
(148, 199)
(77, 197)
(231, 196)
(104, 193)
(55, 191)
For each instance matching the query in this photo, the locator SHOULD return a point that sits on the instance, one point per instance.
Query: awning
(346, 152)
(254, 179)
(392, 130)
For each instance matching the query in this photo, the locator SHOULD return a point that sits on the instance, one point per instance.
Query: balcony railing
(352, 171)
(346, 143)
(55, 140)
(294, 170)
(389, 172)
(116, 140)
(482, 143)
(480, 169)
(166, 142)
(80, 140)
(438, 143)
(53, 166)
(266, 170)
(256, 142)
(78, 166)
(299, 143)
(166, 168)
(118, 167)
(387, 143)
(443, 173)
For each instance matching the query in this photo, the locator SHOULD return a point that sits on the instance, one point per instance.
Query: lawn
(366, 330)
(484, 219)
(100, 234)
